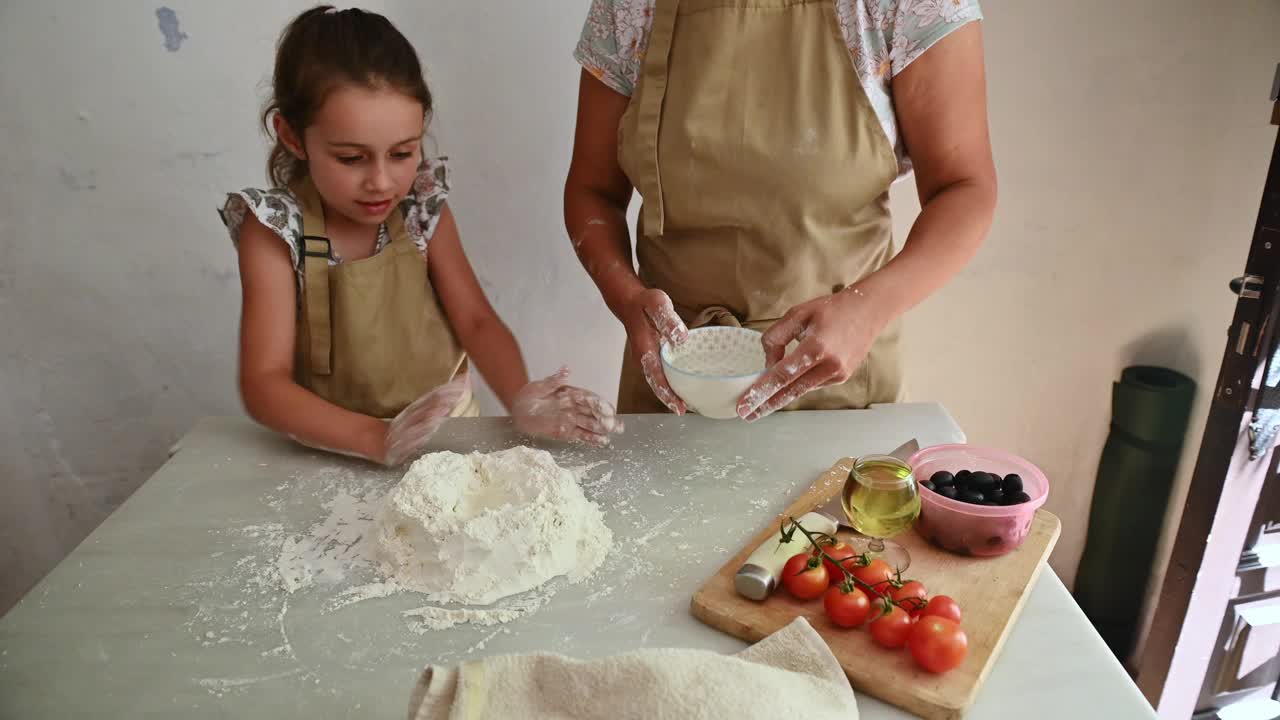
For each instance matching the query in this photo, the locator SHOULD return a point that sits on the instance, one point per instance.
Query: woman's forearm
(597, 192)
(947, 233)
(597, 227)
(941, 104)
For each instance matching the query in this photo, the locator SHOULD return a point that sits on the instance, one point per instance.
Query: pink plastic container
(980, 530)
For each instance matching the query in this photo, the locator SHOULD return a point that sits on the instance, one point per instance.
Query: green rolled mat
(1150, 409)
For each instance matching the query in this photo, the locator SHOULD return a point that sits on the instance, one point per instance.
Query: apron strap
(397, 233)
(719, 316)
(714, 316)
(652, 90)
(316, 253)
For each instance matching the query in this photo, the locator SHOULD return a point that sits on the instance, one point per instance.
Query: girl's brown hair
(321, 49)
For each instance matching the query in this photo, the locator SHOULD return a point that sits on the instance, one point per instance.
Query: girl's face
(363, 151)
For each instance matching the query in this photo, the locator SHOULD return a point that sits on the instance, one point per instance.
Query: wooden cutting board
(990, 591)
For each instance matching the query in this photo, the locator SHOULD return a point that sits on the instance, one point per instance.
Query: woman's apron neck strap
(651, 91)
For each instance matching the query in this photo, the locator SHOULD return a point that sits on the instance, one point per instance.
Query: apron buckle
(308, 252)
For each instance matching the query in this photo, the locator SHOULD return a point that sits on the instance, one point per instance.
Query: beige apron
(371, 335)
(765, 176)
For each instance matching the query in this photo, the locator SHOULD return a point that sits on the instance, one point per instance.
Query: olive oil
(880, 497)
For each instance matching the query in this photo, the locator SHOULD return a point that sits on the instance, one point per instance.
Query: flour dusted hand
(415, 425)
(834, 334)
(650, 319)
(552, 409)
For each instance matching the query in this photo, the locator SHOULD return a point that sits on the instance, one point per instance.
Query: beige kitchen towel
(791, 673)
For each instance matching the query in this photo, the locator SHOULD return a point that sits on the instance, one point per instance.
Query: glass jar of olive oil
(881, 500)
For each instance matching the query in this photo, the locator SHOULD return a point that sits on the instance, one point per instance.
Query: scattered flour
(431, 617)
(602, 480)
(216, 684)
(516, 507)
(477, 528)
(581, 471)
(333, 547)
(279, 569)
(368, 591)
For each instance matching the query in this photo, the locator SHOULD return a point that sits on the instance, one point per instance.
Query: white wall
(1131, 140)
(506, 89)
(119, 295)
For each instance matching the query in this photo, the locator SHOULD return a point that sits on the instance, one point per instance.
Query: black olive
(983, 481)
(942, 478)
(970, 496)
(927, 484)
(1012, 483)
(1018, 498)
(948, 491)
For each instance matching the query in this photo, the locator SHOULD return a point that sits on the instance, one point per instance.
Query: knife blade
(762, 571)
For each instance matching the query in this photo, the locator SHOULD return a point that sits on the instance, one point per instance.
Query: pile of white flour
(473, 529)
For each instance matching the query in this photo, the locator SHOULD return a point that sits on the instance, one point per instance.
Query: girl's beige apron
(371, 335)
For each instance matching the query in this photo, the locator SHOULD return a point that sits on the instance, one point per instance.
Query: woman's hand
(940, 101)
(835, 333)
(650, 318)
(550, 408)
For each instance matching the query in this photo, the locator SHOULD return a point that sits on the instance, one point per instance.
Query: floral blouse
(278, 210)
(883, 37)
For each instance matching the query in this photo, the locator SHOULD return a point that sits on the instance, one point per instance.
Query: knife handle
(761, 573)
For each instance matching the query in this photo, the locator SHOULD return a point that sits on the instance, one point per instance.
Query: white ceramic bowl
(713, 368)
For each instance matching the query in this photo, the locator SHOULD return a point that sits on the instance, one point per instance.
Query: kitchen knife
(761, 573)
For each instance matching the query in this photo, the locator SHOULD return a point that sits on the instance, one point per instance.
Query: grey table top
(175, 605)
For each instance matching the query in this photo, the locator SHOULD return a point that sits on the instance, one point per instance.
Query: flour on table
(473, 529)
(311, 548)
(333, 547)
(430, 617)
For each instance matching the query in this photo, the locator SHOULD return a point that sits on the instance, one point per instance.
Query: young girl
(358, 301)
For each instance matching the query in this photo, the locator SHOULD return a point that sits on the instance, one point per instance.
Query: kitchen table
(176, 605)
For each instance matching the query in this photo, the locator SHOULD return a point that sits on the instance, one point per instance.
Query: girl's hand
(414, 426)
(549, 408)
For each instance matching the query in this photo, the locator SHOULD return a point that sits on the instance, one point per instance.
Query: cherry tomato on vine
(805, 576)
